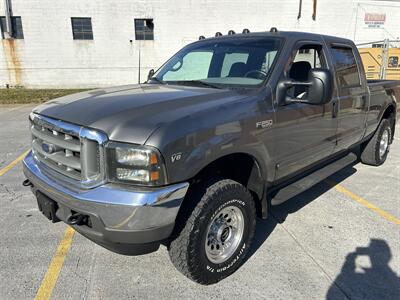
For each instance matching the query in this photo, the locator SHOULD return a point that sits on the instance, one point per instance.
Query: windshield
(226, 63)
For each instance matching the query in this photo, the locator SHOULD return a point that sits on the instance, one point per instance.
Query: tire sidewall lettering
(234, 259)
(232, 263)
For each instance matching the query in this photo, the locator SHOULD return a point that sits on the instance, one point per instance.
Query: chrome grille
(72, 151)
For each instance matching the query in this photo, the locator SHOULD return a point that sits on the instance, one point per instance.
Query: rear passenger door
(352, 96)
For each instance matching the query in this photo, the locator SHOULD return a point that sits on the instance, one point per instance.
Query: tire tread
(181, 251)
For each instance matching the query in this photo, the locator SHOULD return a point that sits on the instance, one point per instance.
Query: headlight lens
(135, 164)
(135, 157)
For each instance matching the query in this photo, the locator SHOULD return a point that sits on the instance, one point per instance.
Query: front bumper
(123, 219)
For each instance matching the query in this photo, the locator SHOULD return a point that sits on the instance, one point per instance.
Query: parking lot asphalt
(330, 242)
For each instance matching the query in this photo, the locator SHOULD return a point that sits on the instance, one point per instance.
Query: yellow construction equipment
(381, 63)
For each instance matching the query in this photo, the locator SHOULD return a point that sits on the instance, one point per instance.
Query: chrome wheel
(384, 143)
(224, 234)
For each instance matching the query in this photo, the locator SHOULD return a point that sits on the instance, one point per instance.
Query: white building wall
(49, 57)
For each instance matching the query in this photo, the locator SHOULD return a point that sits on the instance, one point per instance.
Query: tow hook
(77, 219)
(27, 182)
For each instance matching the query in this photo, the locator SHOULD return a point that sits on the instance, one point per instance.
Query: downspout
(8, 33)
(314, 15)
(300, 9)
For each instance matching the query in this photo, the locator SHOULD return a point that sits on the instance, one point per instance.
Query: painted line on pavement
(13, 163)
(50, 279)
(365, 203)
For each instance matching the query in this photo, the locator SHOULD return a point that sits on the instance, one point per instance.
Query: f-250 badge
(264, 124)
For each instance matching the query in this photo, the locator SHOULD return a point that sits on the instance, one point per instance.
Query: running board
(307, 182)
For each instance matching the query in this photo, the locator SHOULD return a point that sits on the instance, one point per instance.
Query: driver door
(305, 133)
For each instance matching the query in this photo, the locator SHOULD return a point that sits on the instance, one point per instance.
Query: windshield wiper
(196, 82)
(157, 80)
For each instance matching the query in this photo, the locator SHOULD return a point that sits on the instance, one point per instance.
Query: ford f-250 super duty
(226, 127)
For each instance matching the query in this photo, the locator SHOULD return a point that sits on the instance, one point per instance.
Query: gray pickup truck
(227, 127)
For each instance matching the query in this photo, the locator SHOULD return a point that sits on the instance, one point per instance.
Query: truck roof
(283, 34)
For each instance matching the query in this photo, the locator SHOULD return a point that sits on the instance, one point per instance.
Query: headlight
(135, 164)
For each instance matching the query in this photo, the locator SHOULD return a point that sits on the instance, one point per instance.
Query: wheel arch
(241, 167)
(390, 113)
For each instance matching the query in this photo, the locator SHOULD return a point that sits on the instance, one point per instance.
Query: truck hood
(132, 113)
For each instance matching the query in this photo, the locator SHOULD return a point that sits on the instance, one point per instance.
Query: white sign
(374, 20)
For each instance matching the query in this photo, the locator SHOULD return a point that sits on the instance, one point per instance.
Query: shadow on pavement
(376, 281)
(366, 274)
(278, 214)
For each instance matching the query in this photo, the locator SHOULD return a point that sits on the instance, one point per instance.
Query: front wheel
(215, 237)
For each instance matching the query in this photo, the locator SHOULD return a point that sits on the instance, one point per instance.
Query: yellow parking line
(13, 163)
(50, 279)
(364, 202)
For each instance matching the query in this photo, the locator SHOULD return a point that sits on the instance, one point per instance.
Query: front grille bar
(72, 151)
(71, 161)
(66, 143)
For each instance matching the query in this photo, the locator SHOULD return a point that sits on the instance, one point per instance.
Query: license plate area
(48, 207)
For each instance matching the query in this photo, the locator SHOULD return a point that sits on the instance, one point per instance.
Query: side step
(307, 182)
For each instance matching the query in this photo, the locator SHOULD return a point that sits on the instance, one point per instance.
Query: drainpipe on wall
(300, 9)
(314, 15)
(8, 33)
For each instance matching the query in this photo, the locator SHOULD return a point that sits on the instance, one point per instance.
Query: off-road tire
(187, 249)
(370, 152)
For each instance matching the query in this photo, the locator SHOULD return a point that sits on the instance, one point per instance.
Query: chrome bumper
(119, 214)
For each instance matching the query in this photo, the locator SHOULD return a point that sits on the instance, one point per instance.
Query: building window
(304, 51)
(16, 26)
(144, 29)
(82, 28)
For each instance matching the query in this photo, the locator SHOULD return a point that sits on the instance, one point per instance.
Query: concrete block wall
(49, 57)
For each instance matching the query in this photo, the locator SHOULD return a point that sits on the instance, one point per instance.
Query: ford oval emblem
(47, 148)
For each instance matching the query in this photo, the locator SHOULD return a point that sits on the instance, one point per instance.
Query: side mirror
(319, 88)
(151, 74)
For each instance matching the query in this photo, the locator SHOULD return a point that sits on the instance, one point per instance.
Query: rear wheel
(377, 148)
(212, 241)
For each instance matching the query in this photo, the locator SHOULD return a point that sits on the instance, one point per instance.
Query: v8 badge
(176, 156)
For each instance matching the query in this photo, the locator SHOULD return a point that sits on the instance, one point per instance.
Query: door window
(310, 55)
(307, 57)
(346, 67)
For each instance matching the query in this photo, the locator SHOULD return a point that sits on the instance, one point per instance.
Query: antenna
(217, 34)
(231, 32)
(202, 37)
(273, 29)
(246, 31)
(139, 69)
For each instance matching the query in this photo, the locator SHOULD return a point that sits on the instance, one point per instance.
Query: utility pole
(355, 23)
(139, 63)
(385, 51)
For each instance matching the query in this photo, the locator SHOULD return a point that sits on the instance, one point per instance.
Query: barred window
(144, 29)
(16, 24)
(82, 28)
